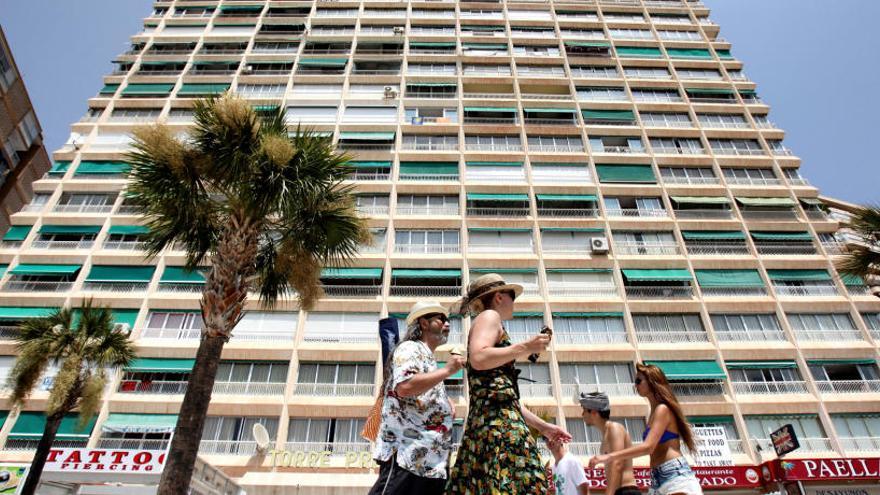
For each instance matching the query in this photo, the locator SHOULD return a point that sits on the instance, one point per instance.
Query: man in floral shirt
(414, 440)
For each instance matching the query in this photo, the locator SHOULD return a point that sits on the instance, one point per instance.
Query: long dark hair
(663, 393)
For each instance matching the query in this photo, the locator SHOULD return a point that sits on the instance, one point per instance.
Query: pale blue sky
(815, 62)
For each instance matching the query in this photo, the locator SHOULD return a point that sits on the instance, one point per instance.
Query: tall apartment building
(611, 156)
(23, 158)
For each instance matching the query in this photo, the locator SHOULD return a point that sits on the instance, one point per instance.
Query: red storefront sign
(711, 478)
(105, 461)
(849, 469)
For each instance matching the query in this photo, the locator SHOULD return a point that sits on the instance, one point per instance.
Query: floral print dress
(498, 454)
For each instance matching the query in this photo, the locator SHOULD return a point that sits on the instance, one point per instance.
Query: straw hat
(487, 284)
(423, 308)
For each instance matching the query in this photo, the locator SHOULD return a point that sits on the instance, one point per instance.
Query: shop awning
(700, 200)
(121, 273)
(30, 426)
(179, 275)
(202, 89)
(147, 89)
(70, 229)
(803, 275)
(352, 273)
(688, 53)
(626, 173)
(17, 232)
(42, 270)
(102, 168)
(712, 234)
(729, 278)
(690, 370)
(366, 136)
(658, 275)
(323, 62)
(411, 273)
(128, 230)
(17, 313)
(161, 365)
(609, 115)
(497, 197)
(490, 109)
(637, 51)
(758, 365)
(494, 164)
(782, 236)
(365, 164)
(429, 168)
(787, 202)
(566, 197)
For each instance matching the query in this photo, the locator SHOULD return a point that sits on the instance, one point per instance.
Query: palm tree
(862, 258)
(265, 209)
(83, 351)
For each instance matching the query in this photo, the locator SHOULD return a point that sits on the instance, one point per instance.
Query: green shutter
(148, 89)
(121, 273)
(782, 236)
(712, 235)
(588, 44)
(787, 202)
(657, 275)
(323, 62)
(700, 200)
(70, 229)
(109, 89)
(626, 173)
(125, 316)
(490, 109)
(31, 424)
(128, 230)
(849, 279)
(729, 278)
(202, 89)
(59, 168)
(638, 52)
(352, 273)
(494, 164)
(758, 365)
(806, 275)
(688, 53)
(18, 313)
(708, 91)
(179, 275)
(690, 370)
(364, 164)
(97, 168)
(823, 362)
(366, 136)
(17, 232)
(139, 423)
(566, 197)
(609, 115)
(408, 273)
(161, 365)
(429, 168)
(497, 197)
(42, 270)
(725, 54)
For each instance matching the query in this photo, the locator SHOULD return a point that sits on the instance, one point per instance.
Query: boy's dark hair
(604, 414)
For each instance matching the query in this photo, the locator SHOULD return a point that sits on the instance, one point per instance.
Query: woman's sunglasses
(638, 380)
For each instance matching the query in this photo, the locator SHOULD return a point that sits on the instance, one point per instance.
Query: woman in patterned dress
(498, 455)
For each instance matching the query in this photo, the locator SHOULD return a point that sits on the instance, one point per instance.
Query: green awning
(578, 270)
(725, 54)
(364, 164)
(695, 235)
(690, 370)
(823, 362)
(432, 44)
(747, 92)
(429, 168)
(241, 8)
(700, 200)
(566, 197)
(758, 365)
(121, 273)
(17, 232)
(102, 168)
(549, 110)
(59, 168)
(266, 108)
(811, 201)
(609, 115)
(409, 273)
(109, 89)
(30, 426)
(139, 423)
(729, 278)
(366, 136)
(490, 109)
(589, 44)
(503, 270)
(42, 270)
(161, 365)
(432, 85)
(179, 275)
(638, 51)
(782, 236)
(18, 313)
(688, 53)
(606, 314)
(202, 89)
(459, 375)
(494, 164)
(626, 173)
(788, 202)
(572, 229)
(484, 46)
(497, 197)
(163, 63)
(128, 230)
(657, 275)
(806, 275)
(353, 273)
(708, 91)
(496, 229)
(849, 279)
(70, 229)
(702, 420)
(323, 62)
(125, 316)
(147, 89)
(482, 28)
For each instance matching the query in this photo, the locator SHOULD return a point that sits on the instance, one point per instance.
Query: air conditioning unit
(398, 29)
(390, 92)
(599, 245)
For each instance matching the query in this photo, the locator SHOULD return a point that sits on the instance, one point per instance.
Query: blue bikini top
(667, 435)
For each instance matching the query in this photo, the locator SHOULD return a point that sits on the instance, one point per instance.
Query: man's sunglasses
(441, 316)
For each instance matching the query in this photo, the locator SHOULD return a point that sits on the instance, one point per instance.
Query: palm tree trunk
(33, 478)
(222, 303)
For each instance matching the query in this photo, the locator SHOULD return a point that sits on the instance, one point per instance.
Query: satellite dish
(261, 436)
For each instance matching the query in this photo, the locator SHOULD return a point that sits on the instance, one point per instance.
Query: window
(602, 93)
(723, 120)
(598, 374)
(688, 175)
(843, 371)
(736, 147)
(261, 90)
(858, 431)
(428, 142)
(341, 327)
(669, 328)
(378, 115)
(698, 74)
(821, 321)
(566, 144)
(574, 283)
(135, 114)
(677, 146)
(335, 435)
(426, 241)
(488, 240)
(657, 119)
(807, 428)
(588, 329)
(655, 95)
(423, 68)
(764, 375)
(595, 72)
(647, 72)
(308, 91)
(252, 372)
(173, 325)
(311, 115)
(331, 374)
(667, 35)
(747, 327)
(561, 172)
(534, 380)
(630, 242)
(630, 34)
(490, 143)
(234, 435)
(755, 176)
(7, 71)
(582, 433)
(427, 205)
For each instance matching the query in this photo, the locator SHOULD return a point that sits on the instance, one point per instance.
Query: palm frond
(90, 397)
(228, 129)
(26, 373)
(67, 383)
(866, 224)
(859, 261)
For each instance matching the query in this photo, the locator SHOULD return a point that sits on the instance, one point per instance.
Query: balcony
(371, 210)
(785, 248)
(506, 212)
(751, 336)
(535, 390)
(555, 148)
(697, 389)
(77, 208)
(568, 212)
(733, 291)
(581, 290)
(712, 249)
(636, 248)
(427, 248)
(172, 333)
(81, 244)
(352, 290)
(659, 292)
(565, 247)
(500, 247)
(335, 389)
(570, 390)
(584, 449)
(671, 337)
(636, 212)
(805, 290)
(425, 290)
(753, 181)
(334, 446)
(121, 287)
(849, 386)
(786, 214)
(860, 444)
(702, 214)
(808, 445)
(584, 337)
(9, 332)
(691, 181)
(227, 447)
(20, 444)
(133, 444)
(383, 174)
(180, 287)
(125, 245)
(14, 285)
(451, 210)
(502, 147)
(769, 388)
(829, 335)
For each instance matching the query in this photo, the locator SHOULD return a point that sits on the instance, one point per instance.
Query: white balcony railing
(335, 389)
(248, 388)
(860, 444)
(427, 248)
(425, 290)
(712, 249)
(334, 447)
(655, 249)
(125, 245)
(83, 244)
(342, 337)
(849, 386)
(805, 290)
(581, 290)
(535, 390)
(115, 286)
(829, 335)
(570, 390)
(756, 336)
(567, 212)
(784, 249)
(227, 447)
(172, 333)
(636, 212)
(37, 286)
(590, 338)
(733, 291)
(132, 444)
(769, 388)
(698, 389)
(584, 449)
(660, 292)
(451, 210)
(60, 208)
(808, 444)
(671, 337)
(702, 214)
(352, 290)
(497, 211)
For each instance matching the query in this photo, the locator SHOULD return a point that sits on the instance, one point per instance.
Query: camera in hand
(547, 331)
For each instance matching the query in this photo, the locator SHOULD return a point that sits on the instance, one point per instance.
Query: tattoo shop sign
(105, 461)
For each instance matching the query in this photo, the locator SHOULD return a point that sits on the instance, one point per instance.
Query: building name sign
(105, 461)
(318, 459)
